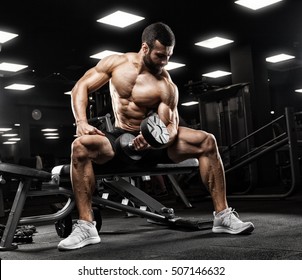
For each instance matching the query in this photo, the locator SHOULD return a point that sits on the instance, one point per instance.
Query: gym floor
(277, 234)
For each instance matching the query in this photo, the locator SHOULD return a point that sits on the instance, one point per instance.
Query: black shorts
(151, 156)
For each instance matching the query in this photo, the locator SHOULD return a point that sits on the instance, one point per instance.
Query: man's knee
(78, 150)
(210, 144)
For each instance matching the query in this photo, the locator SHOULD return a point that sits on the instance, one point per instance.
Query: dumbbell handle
(131, 145)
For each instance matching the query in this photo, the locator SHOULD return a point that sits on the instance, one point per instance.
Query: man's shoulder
(114, 60)
(125, 57)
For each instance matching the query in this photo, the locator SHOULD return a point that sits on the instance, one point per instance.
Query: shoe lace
(79, 229)
(231, 215)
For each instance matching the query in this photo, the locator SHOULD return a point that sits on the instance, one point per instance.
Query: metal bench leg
(2, 213)
(14, 216)
(179, 191)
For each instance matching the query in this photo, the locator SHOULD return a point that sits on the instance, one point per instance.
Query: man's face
(157, 58)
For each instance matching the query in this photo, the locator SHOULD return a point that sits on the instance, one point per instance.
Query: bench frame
(140, 203)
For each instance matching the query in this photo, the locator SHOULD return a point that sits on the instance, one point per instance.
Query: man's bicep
(169, 115)
(168, 106)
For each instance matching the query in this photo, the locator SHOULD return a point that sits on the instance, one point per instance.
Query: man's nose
(164, 62)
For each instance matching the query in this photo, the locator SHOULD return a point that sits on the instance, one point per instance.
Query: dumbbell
(155, 133)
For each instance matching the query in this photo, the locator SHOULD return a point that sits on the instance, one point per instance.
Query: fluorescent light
(103, 54)
(173, 65)
(49, 129)
(6, 36)
(9, 143)
(51, 134)
(14, 139)
(217, 74)
(256, 4)
(4, 129)
(9, 134)
(189, 103)
(214, 42)
(120, 19)
(299, 90)
(52, 137)
(19, 87)
(279, 58)
(11, 67)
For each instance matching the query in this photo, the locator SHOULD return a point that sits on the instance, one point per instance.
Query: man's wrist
(78, 121)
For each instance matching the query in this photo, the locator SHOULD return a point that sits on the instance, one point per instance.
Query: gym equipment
(134, 200)
(225, 112)
(125, 148)
(25, 175)
(155, 133)
(285, 141)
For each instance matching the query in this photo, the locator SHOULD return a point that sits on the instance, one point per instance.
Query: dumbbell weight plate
(124, 150)
(64, 226)
(155, 131)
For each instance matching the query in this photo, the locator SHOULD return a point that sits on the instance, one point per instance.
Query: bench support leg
(179, 191)
(2, 213)
(14, 216)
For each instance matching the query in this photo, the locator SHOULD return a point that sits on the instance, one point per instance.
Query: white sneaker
(84, 233)
(227, 222)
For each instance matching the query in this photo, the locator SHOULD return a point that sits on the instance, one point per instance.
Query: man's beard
(155, 69)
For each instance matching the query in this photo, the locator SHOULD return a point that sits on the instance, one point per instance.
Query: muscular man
(140, 84)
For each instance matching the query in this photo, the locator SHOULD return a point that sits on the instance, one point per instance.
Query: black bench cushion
(19, 171)
(105, 170)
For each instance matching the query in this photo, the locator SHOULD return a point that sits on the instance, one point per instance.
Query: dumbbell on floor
(155, 133)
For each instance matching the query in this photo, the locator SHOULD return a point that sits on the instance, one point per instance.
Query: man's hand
(84, 128)
(139, 143)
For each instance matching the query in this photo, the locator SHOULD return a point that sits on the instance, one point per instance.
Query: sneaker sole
(86, 242)
(247, 230)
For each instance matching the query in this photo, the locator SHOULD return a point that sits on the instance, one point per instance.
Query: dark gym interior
(255, 113)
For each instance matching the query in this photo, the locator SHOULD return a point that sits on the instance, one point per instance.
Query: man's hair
(158, 31)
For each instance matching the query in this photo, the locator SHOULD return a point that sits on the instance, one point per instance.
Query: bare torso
(136, 92)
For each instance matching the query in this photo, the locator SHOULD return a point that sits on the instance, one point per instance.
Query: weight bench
(134, 201)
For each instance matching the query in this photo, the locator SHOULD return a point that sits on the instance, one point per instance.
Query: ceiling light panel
(4, 129)
(10, 135)
(279, 58)
(256, 4)
(19, 87)
(52, 137)
(11, 67)
(189, 103)
(214, 42)
(216, 74)
(120, 19)
(49, 129)
(6, 36)
(173, 65)
(103, 54)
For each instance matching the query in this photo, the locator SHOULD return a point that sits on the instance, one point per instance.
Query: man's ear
(145, 48)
